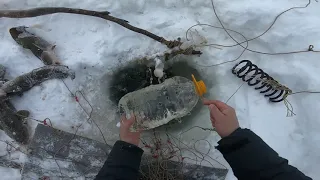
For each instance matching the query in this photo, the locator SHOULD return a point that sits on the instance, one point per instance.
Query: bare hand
(125, 133)
(223, 117)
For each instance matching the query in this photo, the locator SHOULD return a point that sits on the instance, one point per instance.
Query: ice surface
(94, 48)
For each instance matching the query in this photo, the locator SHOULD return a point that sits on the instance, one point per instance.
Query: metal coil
(254, 76)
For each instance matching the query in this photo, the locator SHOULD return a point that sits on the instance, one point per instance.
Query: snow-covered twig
(101, 14)
(177, 50)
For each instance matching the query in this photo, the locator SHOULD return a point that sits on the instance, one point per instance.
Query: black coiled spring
(254, 76)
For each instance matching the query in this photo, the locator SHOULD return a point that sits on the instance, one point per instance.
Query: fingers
(208, 102)
(213, 122)
(215, 113)
(131, 120)
(127, 122)
(220, 105)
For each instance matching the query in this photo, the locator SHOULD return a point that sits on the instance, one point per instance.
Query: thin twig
(101, 14)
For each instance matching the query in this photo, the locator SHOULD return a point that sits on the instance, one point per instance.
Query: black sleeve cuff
(234, 141)
(125, 155)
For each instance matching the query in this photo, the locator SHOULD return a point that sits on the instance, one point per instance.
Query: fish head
(16, 31)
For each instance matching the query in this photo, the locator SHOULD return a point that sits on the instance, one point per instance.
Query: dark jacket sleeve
(251, 158)
(122, 164)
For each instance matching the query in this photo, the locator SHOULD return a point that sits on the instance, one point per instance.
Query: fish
(26, 81)
(11, 122)
(2, 72)
(38, 46)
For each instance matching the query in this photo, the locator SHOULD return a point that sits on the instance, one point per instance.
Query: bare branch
(103, 14)
(177, 51)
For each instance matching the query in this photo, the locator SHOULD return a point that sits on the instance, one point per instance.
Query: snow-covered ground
(94, 48)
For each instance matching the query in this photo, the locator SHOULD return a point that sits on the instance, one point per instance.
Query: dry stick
(101, 14)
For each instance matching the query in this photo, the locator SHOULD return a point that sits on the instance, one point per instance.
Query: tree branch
(177, 51)
(103, 14)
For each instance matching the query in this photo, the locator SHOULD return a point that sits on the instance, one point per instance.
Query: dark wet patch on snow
(137, 75)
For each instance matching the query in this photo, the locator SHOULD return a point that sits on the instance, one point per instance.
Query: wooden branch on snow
(176, 51)
(101, 14)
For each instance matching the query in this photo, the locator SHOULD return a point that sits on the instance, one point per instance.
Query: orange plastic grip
(201, 88)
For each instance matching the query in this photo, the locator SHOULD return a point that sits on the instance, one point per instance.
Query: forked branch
(101, 14)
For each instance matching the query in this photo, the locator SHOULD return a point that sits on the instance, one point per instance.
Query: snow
(93, 48)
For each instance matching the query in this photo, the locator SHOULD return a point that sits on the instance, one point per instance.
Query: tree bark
(101, 14)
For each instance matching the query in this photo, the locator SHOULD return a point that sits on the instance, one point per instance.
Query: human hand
(125, 133)
(223, 117)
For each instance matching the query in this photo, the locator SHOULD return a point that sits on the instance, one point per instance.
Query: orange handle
(201, 88)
